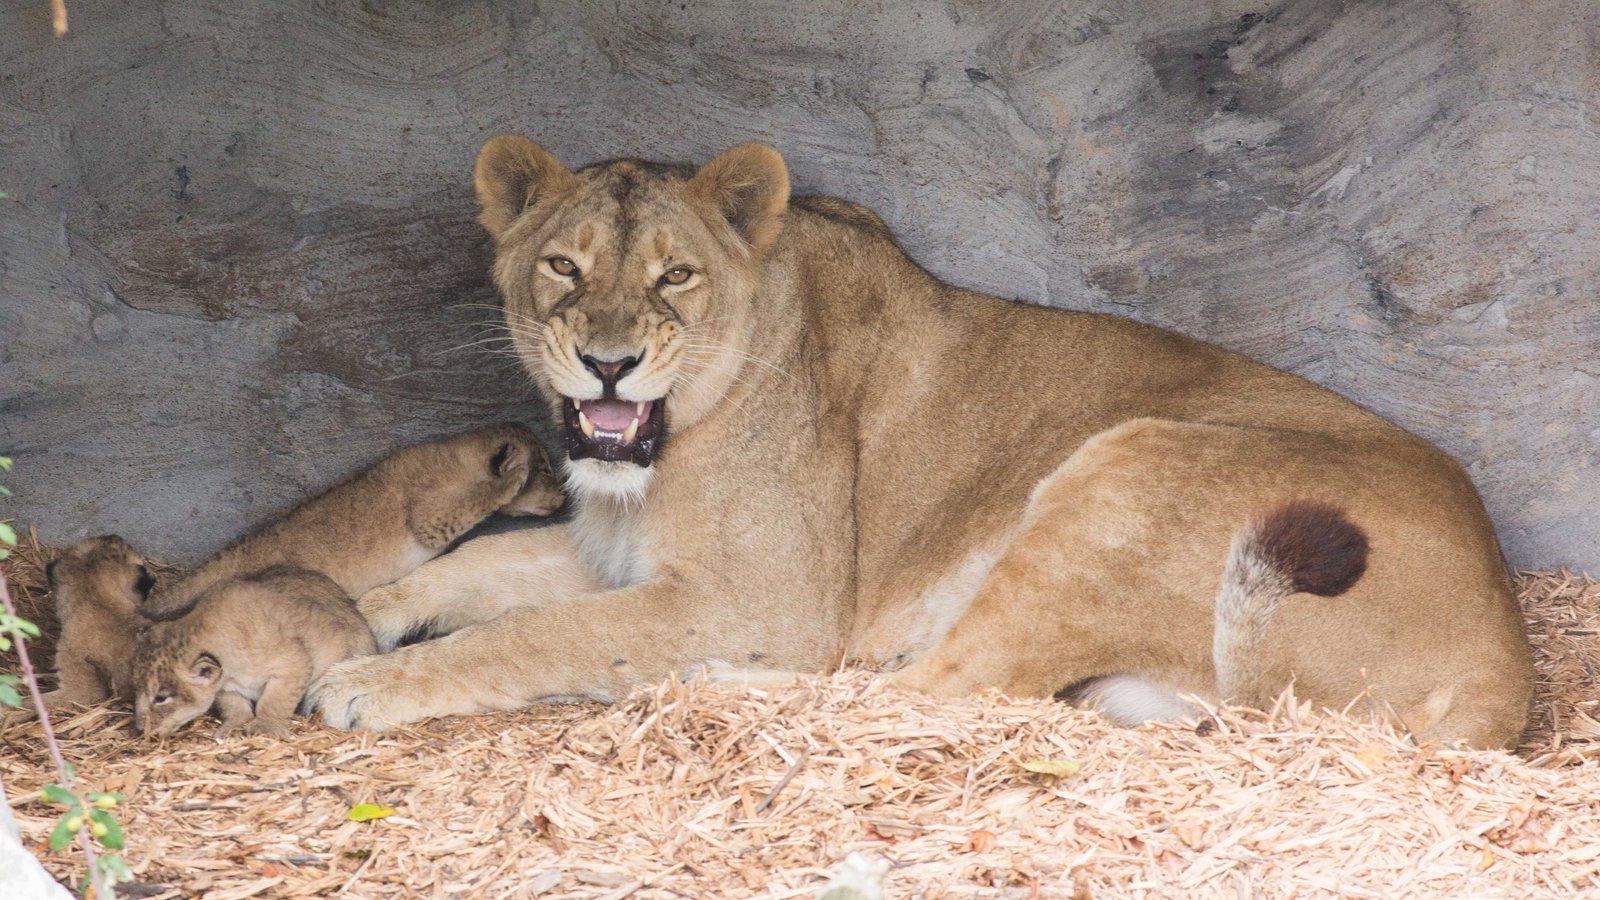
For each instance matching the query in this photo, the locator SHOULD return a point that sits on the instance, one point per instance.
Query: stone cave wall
(239, 243)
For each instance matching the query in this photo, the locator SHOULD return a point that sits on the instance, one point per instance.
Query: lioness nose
(611, 371)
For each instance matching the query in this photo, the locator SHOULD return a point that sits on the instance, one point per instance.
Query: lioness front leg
(481, 580)
(598, 647)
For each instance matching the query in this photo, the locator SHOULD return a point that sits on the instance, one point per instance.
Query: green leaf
(8, 535)
(1051, 768)
(366, 812)
(9, 696)
(61, 835)
(113, 836)
(55, 793)
(4, 491)
(113, 865)
(5, 463)
(19, 626)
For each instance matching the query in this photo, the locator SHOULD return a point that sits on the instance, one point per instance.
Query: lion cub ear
(749, 185)
(205, 670)
(511, 173)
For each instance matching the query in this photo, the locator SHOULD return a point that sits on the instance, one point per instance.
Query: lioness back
(970, 407)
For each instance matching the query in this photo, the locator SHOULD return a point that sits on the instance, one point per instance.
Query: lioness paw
(367, 692)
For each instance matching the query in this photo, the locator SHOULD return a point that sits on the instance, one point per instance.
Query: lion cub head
(628, 289)
(102, 572)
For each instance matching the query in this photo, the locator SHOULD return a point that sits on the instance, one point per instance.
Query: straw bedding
(685, 790)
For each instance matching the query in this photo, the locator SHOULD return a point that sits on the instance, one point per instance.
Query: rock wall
(239, 257)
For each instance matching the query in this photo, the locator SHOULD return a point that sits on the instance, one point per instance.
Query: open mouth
(614, 430)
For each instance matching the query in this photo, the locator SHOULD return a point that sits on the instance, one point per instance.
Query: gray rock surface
(239, 243)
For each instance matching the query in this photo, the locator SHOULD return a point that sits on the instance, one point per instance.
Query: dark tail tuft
(1314, 546)
(1299, 547)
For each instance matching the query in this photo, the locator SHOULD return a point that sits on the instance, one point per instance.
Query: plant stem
(32, 679)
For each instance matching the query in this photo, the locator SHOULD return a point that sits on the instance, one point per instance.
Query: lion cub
(249, 648)
(378, 525)
(98, 585)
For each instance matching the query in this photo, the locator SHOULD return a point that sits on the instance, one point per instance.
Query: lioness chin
(789, 445)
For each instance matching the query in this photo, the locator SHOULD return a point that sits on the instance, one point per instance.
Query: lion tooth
(633, 429)
(575, 403)
(585, 424)
(638, 409)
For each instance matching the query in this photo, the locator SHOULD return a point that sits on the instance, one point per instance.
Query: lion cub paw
(509, 465)
(272, 728)
(393, 614)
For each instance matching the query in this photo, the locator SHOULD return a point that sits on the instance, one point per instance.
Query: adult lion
(789, 445)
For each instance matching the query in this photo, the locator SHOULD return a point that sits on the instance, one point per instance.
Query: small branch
(58, 15)
(28, 675)
(783, 782)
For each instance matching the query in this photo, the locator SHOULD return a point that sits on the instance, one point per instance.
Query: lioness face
(628, 290)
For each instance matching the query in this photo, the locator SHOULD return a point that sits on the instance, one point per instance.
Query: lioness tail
(1300, 547)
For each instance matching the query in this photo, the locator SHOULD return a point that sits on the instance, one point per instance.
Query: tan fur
(380, 524)
(248, 648)
(864, 461)
(98, 585)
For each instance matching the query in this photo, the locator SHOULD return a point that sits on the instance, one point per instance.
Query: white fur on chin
(618, 482)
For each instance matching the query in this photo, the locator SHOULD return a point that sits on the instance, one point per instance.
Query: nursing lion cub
(789, 445)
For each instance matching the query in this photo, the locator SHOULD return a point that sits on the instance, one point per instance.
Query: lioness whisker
(481, 342)
(701, 346)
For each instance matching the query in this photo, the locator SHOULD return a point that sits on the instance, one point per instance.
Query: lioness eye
(161, 699)
(564, 267)
(676, 275)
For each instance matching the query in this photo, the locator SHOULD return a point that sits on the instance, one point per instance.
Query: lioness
(789, 445)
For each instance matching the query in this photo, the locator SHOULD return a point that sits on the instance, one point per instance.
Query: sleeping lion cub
(383, 522)
(246, 650)
(786, 439)
(98, 585)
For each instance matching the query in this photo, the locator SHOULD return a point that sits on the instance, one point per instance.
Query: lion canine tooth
(585, 424)
(633, 429)
(575, 403)
(638, 409)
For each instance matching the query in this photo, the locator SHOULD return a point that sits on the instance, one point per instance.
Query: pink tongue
(612, 415)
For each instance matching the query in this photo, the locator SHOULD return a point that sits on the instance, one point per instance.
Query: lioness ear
(511, 173)
(749, 185)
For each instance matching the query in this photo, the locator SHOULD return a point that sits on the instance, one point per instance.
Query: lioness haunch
(785, 438)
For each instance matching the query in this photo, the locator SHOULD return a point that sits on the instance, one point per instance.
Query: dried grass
(687, 790)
